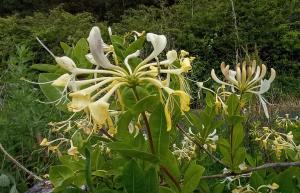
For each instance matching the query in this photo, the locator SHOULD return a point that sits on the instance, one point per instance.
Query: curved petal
(133, 55)
(90, 58)
(158, 42)
(96, 47)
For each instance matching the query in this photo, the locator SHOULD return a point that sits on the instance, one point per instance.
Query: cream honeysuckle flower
(79, 101)
(64, 61)
(96, 48)
(62, 81)
(158, 42)
(73, 150)
(247, 78)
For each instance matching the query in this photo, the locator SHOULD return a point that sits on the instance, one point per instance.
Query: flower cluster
(249, 189)
(277, 141)
(186, 151)
(209, 142)
(92, 95)
(246, 78)
(286, 121)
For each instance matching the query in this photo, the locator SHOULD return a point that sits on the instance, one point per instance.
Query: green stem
(151, 144)
(231, 131)
(149, 134)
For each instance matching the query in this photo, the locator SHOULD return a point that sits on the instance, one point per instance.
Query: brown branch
(149, 134)
(31, 174)
(174, 180)
(201, 146)
(264, 166)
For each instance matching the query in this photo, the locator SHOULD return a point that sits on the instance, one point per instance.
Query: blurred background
(211, 30)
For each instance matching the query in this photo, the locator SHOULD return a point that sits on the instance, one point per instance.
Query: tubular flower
(247, 78)
(92, 95)
(184, 105)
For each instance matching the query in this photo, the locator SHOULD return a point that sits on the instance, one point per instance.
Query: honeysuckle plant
(130, 126)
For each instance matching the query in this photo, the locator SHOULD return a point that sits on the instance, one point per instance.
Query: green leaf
(67, 49)
(192, 177)
(88, 169)
(157, 122)
(219, 188)
(224, 148)
(44, 67)
(122, 126)
(133, 178)
(152, 182)
(256, 180)
(81, 48)
(134, 46)
(169, 161)
(4, 180)
(289, 180)
(79, 52)
(163, 189)
(13, 189)
(58, 174)
(126, 150)
(209, 99)
(239, 156)
(147, 103)
(52, 93)
(232, 104)
(117, 43)
(238, 136)
(72, 163)
(99, 173)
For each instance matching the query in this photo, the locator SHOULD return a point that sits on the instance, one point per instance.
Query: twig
(264, 166)
(201, 146)
(31, 174)
(149, 134)
(166, 171)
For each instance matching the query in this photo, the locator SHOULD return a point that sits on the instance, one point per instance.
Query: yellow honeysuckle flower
(99, 111)
(79, 101)
(44, 142)
(168, 116)
(73, 150)
(184, 100)
(186, 64)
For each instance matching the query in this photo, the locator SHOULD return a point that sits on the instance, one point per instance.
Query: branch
(31, 174)
(201, 146)
(264, 166)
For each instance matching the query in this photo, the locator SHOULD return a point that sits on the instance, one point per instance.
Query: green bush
(23, 120)
(206, 29)
(50, 27)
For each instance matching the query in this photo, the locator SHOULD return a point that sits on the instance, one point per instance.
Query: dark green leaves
(133, 178)
(128, 151)
(232, 104)
(192, 177)
(158, 127)
(58, 174)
